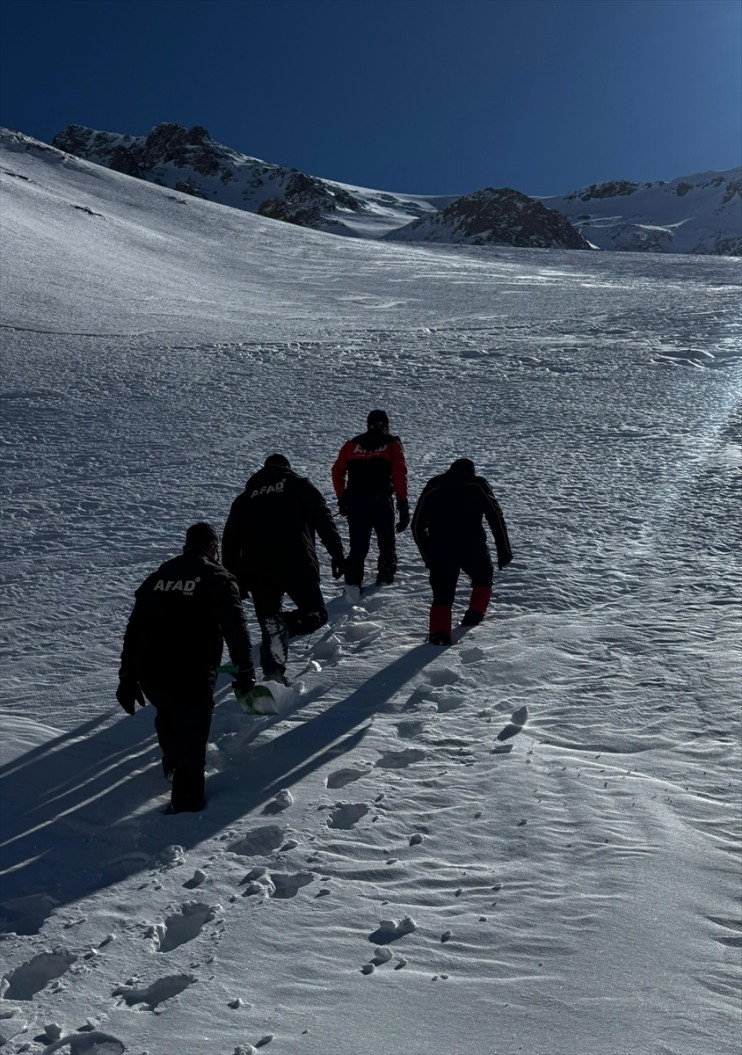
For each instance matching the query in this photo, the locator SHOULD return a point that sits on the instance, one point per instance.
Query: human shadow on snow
(70, 824)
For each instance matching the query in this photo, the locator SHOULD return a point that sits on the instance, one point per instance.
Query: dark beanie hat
(377, 417)
(463, 467)
(201, 536)
(277, 459)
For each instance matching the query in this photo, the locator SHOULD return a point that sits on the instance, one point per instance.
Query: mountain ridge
(189, 161)
(697, 214)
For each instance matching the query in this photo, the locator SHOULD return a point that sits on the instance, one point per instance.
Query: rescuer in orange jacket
(369, 473)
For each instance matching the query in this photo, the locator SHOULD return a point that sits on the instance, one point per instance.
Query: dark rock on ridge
(190, 161)
(495, 216)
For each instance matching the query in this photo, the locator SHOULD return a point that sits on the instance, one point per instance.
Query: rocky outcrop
(167, 144)
(613, 189)
(729, 246)
(732, 190)
(190, 161)
(495, 216)
(307, 202)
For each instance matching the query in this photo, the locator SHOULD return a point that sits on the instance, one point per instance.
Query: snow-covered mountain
(494, 217)
(691, 214)
(694, 214)
(190, 161)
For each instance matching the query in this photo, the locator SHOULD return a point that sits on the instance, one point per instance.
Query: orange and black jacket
(371, 465)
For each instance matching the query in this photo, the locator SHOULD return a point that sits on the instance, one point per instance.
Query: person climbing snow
(172, 647)
(369, 473)
(448, 529)
(269, 546)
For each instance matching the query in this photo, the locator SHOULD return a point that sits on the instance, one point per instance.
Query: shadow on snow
(69, 807)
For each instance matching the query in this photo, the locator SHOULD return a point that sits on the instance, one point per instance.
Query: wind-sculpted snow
(523, 842)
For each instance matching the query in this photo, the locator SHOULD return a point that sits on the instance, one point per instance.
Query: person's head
(377, 421)
(279, 460)
(463, 467)
(203, 537)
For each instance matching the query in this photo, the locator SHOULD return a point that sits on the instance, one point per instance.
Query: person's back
(451, 508)
(172, 648)
(272, 518)
(176, 633)
(448, 527)
(368, 474)
(372, 463)
(271, 526)
(269, 545)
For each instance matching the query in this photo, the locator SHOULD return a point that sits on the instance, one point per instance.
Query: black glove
(243, 683)
(128, 693)
(503, 562)
(343, 505)
(338, 566)
(403, 511)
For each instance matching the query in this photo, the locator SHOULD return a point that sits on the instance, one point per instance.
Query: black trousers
(182, 723)
(367, 516)
(310, 612)
(445, 570)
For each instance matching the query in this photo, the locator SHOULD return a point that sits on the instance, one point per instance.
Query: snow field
(395, 860)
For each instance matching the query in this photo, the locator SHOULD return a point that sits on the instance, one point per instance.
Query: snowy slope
(430, 884)
(692, 214)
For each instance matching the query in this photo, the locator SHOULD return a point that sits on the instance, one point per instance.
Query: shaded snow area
(527, 842)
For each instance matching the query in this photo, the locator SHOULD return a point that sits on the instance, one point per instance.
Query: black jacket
(182, 614)
(271, 527)
(447, 522)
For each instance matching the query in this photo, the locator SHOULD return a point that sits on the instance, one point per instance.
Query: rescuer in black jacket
(269, 545)
(172, 647)
(447, 526)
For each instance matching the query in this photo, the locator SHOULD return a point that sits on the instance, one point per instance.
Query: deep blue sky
(425, 96)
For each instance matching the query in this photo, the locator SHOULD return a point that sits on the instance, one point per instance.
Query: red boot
(480, 598)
